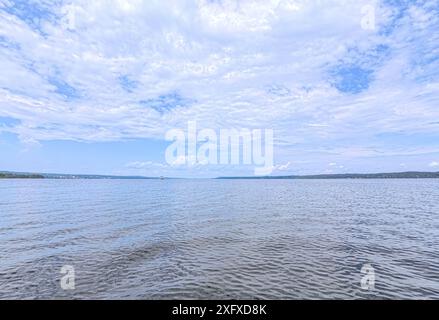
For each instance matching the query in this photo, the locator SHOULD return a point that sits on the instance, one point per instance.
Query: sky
(92, 87)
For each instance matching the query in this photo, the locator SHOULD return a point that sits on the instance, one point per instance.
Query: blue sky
(93, 86)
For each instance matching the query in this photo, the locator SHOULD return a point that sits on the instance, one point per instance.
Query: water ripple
(219, 239)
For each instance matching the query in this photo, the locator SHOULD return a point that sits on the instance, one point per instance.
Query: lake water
(219, 239)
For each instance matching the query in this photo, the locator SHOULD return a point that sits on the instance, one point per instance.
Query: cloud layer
(112, 70)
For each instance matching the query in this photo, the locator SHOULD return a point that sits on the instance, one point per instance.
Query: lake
(220, 239)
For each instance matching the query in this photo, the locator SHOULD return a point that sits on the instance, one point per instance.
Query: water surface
(219, 239)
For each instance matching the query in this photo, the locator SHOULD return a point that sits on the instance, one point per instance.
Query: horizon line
(66, 176)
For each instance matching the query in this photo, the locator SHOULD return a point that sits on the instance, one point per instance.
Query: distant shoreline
(20, 176)
(391, 175)
(27, 175)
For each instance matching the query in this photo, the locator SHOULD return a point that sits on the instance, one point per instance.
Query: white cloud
(283, 167)
(225, 58)
(144, 164)
(434, 164)
(180, 161)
